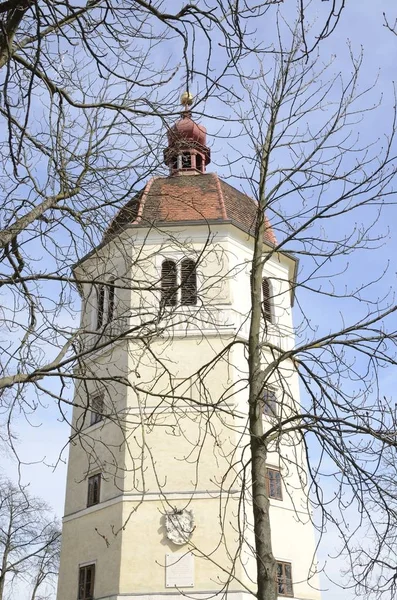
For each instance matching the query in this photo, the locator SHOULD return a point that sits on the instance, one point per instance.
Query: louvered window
(188, 283)
(110, 310)
(100, 306)
(168, 283)
(266, 300)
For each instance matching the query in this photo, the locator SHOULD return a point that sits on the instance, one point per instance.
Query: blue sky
(362, 27)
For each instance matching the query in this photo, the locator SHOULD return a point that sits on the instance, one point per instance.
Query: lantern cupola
(187, 152)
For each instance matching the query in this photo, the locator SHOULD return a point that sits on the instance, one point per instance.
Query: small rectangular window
(97, 405)
(274, 484)
(284, 579)
(269, 402)
(94, 489)
(86, 582)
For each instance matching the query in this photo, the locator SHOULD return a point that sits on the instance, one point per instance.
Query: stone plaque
(179, 570)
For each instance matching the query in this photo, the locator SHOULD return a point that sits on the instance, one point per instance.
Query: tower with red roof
(158, 500)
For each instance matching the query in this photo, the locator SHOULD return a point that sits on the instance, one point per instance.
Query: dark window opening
(94, 489)
(96, 409)
(188, 283)
(168, 283)
(273, 484)
(266, 300)
(199, 162)
(269, 402)
(110, 311)
(186, 160)
(174, 162)
(100, 307)
(86, 582)
(284, 579)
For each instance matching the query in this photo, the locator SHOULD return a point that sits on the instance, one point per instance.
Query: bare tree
(81, 104)
(29, 539)
(309, 171)
(84, 153)
(45, 568)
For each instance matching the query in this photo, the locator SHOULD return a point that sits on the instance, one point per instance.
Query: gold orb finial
(187, 99)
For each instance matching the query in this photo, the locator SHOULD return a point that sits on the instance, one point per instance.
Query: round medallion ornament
(179, 525)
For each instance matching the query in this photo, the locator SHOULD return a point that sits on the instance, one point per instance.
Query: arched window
(168, 283)
(100, 306)
(188, 283)
(266, 300)
(110, 308)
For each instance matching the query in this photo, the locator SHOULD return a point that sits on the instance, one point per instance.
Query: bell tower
(187, 150)
(158, 490)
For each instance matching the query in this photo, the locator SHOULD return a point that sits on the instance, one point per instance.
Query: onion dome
(187, 150)
(186, 129)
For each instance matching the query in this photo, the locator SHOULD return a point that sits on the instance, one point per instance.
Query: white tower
(158, 501)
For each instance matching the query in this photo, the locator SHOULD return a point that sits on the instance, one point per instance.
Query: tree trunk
(266, 566)
(3, 570)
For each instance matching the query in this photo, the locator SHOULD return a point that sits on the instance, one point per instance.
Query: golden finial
(186, 99)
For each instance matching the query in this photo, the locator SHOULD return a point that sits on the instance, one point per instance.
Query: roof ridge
(268, 232)
(145, 193)
(240, 192)
(221, 196)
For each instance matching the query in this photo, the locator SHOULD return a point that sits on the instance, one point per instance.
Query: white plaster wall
(164, 414)
(143, 569)
(91, 538)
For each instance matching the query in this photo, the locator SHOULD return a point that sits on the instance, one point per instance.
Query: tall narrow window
(168, 283)
(110, 310)
(284, 579)
(199, 162)
(97, 404)
(86, 582)
(188, 283)
(186, 160)
(100, 306)
(269, 402)
(273, 484)
(266, 300)
(94, 489)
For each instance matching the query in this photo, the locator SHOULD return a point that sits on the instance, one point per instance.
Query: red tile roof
(189, 198)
